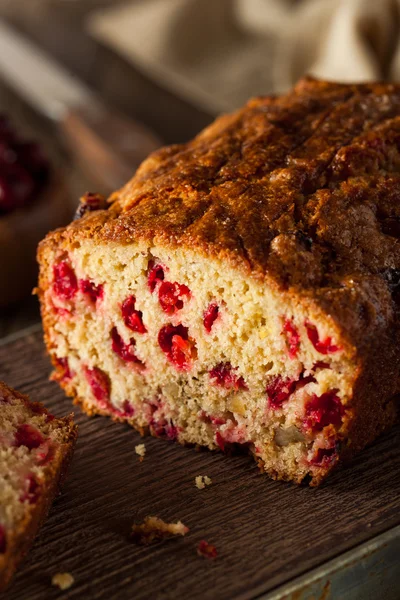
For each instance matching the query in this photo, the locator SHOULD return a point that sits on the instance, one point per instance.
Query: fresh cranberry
(324, 457)
(7, 132)
(323, 410)
(133, 318)
(219, 440)
(3, 540)
(31, 491)
(279, 390)
(207, 550)
(8, 156)
(100, 384)
(164, 429)
(324, 347)
(31, 157)
(18, 187)
(175, 342)
(29, 436)
(23, 169)
(124, 351)
(171, 296)
(127, 409)
(65, 283)
(64, 367)
(155, 276)
(6, 196)
(210, 316)
(224, 375)
(93, 291)
(292, 338)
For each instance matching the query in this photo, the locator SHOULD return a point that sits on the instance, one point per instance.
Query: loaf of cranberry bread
(241, 288)
(35, 449)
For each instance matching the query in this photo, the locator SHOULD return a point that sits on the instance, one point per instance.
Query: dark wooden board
(265, 532)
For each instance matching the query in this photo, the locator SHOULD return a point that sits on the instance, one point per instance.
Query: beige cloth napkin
(218, 53)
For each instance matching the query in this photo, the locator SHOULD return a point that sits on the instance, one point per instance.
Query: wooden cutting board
(265, 532)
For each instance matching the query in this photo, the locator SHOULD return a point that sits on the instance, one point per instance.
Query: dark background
(58, 26)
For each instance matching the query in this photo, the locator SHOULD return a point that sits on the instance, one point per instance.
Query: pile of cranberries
(24, 170)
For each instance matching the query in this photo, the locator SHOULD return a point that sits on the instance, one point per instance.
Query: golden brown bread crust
(301, 190)
(22, 539)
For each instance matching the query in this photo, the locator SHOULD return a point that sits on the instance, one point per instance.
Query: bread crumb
(62, 580)
(140, 449)
(201, 481)
(154, 529)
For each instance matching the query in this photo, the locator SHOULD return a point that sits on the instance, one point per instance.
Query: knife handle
(108, 147)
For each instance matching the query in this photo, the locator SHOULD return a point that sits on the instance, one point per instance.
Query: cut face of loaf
(243, 288)
(35, 449)
(193, 350)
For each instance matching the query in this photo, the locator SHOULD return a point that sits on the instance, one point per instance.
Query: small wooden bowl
(20, 233)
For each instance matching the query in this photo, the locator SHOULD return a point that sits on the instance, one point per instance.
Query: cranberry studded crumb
(155, 276)
(65, 284)
(292, 337)
(100, 384)
(90, 202)
(91, 290)
(324, 347)
(325, 457)
(29, 436)
(323, 410)
(3, 540)
(179, 348)
(233, 433)
(210, 316)
(124, 351)
(163, 428)
(172, 295)
(133, 318)
(63, 364)
(44, 452)
(207, 550)
(31, 491)
(224, 375)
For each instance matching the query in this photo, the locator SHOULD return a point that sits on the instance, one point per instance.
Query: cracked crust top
(303, 189)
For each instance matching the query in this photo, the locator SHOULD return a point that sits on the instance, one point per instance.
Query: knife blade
(106, 144)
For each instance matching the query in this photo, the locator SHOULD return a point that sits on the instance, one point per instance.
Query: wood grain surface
(265, 532)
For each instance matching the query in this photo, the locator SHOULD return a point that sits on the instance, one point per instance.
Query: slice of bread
(241, 288)
(35, 449)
